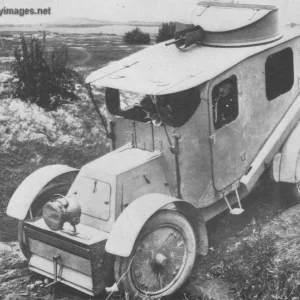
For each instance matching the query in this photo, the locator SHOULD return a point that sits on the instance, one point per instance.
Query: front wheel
(162, 258)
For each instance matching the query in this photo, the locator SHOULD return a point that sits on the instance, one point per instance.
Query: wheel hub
(160, 260)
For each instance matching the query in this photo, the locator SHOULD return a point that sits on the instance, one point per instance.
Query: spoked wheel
(162, 258)
(47, 194)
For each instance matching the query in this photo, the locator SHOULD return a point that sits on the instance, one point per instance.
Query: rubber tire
(296, 191)
(163, 217)
(44, 196)
(290, 192)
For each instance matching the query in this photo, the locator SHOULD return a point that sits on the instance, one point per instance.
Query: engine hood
(121, 160)
(105, 186)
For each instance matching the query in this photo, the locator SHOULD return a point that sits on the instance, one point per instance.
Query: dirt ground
(226, 233)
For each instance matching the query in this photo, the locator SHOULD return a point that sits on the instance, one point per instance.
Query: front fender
(25, 194)
(129, 224)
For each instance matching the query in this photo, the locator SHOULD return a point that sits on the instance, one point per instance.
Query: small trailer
(193, 123)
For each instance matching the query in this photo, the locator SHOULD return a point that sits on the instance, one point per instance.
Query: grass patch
(267, 266)
(25, 157)
(98, 49)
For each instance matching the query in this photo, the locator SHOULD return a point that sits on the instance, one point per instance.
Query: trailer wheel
(162, 258)
(41, 199)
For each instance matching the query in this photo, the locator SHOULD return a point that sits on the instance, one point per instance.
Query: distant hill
(73, 21)
(83, 22)
(86, 22)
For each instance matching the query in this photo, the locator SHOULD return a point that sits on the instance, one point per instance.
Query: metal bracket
(175, 148)
(134, 139)
(56, 258)
(111, 135)
(244, 156)
(234, 211)
(212, 138)
(76, 233)
(102, 118)
(158, 145)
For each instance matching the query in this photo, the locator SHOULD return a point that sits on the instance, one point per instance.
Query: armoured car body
(193, 126)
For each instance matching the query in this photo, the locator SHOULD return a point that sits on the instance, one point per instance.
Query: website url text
(25, 11)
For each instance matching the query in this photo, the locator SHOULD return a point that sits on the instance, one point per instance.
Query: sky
(120, 10)
(113, 10)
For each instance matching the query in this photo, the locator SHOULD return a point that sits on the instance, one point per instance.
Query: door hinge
(244, 156)
(212, 138)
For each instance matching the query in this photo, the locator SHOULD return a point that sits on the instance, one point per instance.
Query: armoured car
(193, 123)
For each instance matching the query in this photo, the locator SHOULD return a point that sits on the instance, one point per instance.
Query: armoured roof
(236, 24)
(214, 16)
(162, 69)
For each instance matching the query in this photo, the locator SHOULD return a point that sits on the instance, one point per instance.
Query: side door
(227, 138)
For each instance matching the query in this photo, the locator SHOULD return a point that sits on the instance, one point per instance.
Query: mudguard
(290, 160)
(25, 194)
(127, 227)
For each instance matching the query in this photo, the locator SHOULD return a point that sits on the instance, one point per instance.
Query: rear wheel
(290, 191)
(162, 258)
(47, 194)
(296, 191)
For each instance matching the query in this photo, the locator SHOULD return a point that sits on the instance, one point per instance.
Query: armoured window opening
(279, 70)
(225, 102)
(171, 109)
